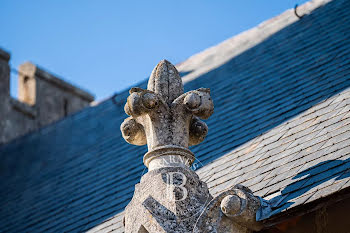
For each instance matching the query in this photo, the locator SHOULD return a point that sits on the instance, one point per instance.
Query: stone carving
(160, 206)
(164, 117)
(232, 211)
(170, 196)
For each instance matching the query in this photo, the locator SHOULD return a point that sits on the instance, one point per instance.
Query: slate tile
(302, 199)
(262, 184)
(346, 185)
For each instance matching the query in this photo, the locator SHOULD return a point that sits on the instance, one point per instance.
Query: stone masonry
(170, 196)
(42, 99)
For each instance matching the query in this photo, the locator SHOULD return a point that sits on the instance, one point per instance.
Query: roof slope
(280, 126)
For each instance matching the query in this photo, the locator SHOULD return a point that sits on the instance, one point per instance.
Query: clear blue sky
(107, 46)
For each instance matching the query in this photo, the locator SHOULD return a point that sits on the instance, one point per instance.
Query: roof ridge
(197, 65)
(284, 18)
(305, 8)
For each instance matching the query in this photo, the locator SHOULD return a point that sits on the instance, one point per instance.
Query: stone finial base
(167, 200)
(168, 156)
(174, 199)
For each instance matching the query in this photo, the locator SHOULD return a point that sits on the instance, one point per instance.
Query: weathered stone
(232, 211)
(167, 200)
(42, 99)
(231, 205)
(165, 117)
(4, 74)
(171, 197)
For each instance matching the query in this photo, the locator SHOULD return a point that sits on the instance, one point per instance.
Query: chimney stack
(43, 98)
(4, 73)
(53, 97)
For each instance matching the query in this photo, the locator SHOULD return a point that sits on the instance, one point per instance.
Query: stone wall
(42, 99)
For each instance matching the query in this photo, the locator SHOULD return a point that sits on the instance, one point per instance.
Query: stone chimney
(4, 74)
(170, 196)
(52, 97)
(42, 99)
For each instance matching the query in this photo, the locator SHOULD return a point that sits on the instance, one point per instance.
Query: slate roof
(280, 127)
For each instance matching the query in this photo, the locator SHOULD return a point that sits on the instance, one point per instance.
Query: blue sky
(107, 46)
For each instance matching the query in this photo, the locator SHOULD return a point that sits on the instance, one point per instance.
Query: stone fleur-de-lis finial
(170, 196)
(165, 118)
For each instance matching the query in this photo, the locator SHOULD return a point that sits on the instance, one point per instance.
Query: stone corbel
(234, 210)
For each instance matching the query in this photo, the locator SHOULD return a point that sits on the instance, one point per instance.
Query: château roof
(281, 126)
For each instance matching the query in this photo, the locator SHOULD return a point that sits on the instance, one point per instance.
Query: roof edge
(307, 208)
(197, 65)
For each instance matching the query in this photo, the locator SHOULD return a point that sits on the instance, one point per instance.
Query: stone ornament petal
(163, 115)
